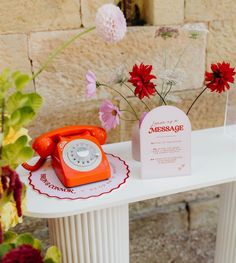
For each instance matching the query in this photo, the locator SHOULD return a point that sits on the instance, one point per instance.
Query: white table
(96, 230)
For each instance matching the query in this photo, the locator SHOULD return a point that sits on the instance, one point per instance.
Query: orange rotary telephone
(77, 156)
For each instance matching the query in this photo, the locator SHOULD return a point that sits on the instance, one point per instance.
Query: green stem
(131, 112)
(126, 119)
(160, 96)
(196, 100)
(60, 49)
(104, 85)
(136, 96)
(180, 57)
(168, 90)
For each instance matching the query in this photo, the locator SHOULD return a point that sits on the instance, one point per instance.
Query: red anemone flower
(141, 78)
(218, 80)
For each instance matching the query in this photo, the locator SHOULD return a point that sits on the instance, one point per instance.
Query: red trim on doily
(83, 198)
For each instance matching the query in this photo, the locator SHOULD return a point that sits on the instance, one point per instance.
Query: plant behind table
(17, 109)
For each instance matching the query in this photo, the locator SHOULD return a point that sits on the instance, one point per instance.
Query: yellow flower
(14, 135)
(8, 211)
(9, 217)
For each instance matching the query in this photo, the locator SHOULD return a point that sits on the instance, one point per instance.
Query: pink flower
(143, 115)
(109, 115)
(91, 84)
(110, 23)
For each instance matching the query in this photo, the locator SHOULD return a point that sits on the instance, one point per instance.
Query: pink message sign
(165, 141)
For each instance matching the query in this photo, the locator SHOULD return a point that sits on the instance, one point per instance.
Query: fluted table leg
(226, 233)
(96, 237)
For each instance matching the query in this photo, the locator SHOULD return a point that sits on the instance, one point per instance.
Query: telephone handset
(76, 153)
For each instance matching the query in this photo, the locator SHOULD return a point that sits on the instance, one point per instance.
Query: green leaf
(48, 260)
(15, 74)
(5, 83)
(25, 238)
(24, 155)
(27, 114)
(21, 142)
(54, 254)
(34, 101)
(15, 101)
(15, 153)
(1, 138)
(9, 237)
(21, 81)
(37, 244)
(4, 248)
(15, 118)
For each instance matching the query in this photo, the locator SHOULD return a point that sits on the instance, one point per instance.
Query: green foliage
(53, 255)
(24, 239)
(17, 109)
(12, 240)
(4, 248)
(17, 152)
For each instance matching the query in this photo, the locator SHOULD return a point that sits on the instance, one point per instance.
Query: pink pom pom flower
(109, 115)
(110, 23)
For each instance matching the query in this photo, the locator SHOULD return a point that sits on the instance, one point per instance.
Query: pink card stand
(165, 141)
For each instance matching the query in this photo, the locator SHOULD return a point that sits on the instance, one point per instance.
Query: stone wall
(178, 228)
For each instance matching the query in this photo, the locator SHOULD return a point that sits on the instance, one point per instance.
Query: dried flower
(109, 115)
(167, 32)
(23, 254)
(218, 80)
(91, 84)
(195, 29)
(119, 76)
(173, 77)
(110, 23)
(141, 77)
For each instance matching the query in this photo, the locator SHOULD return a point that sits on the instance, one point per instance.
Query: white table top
(213, 162)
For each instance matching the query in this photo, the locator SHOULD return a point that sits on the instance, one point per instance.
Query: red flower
(23, 254)
(11, 183)
(141, 78)
(218, 80)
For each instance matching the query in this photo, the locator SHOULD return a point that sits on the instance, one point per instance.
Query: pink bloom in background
(109, 115)
(143, 115)
(110, 23)
(91, 84)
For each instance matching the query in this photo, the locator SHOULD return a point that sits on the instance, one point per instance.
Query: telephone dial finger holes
(82, 155)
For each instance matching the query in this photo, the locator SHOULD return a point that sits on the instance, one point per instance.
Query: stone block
(81, 113)
(63, 84)
(89, 9)
(139, 208)
(203, 214)
(209, 10)
(200, 194)
(170, 219)
(29, 16)
(14, 54)
(164, 12)
(105, 60)
(221, 42)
